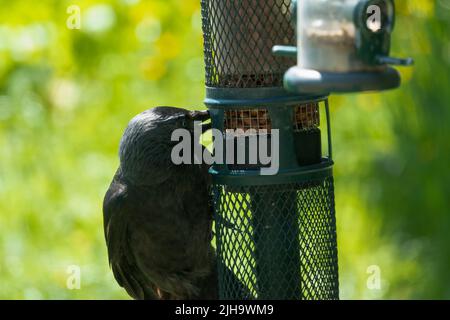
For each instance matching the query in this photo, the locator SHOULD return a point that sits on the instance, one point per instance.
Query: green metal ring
(237, 97)
(253, 177)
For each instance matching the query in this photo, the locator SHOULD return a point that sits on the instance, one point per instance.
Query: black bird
(157, 215)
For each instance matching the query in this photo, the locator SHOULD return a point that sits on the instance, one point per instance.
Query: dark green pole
(277, 252)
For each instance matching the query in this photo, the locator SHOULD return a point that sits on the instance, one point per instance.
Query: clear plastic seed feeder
(344, 46)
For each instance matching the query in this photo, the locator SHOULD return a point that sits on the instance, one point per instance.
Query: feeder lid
(302, 81)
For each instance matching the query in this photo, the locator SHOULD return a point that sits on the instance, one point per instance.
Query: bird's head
(147, 143)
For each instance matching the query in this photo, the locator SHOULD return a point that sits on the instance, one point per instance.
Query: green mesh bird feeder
(276, 233)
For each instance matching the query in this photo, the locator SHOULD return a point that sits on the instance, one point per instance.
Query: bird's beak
(206, 127)
(202, 115)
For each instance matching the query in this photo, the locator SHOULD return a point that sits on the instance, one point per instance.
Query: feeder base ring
(302, 81)
(299, 175)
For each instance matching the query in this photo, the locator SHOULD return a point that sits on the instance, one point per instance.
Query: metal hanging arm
(395, 61)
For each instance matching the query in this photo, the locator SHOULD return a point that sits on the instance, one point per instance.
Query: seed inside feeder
(246, 119)
(307, 117)
(342, 36)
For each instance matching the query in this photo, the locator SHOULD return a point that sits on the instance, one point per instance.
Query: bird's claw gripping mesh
(289, 229)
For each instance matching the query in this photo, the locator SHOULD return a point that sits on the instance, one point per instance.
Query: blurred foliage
(67, 95)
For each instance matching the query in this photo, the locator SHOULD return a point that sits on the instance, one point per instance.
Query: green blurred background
(67, 95)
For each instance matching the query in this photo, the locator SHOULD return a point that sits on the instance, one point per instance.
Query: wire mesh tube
(238, 40)
(279, 241)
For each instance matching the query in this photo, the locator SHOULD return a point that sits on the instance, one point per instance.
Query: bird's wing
(158, 237)
(170, 233)
(168, 246)
(116, 207)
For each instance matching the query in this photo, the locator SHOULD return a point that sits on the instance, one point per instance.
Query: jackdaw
(157, 215)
